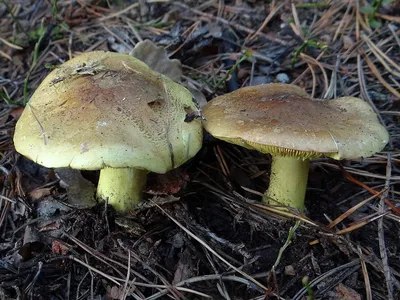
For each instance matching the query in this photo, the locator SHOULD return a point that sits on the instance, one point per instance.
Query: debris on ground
(202, 231)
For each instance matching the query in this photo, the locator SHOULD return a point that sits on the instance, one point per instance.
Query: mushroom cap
(104, 109)
(282, 119)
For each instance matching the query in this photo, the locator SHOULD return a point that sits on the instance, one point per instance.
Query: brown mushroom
(281, 119)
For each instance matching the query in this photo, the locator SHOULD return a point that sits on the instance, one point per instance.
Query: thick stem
(288, 181)
(122, 187)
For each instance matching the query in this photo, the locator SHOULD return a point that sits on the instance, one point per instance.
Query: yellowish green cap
(103, 109)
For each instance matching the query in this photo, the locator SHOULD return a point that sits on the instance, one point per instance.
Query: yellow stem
(288, 181)
(122, 187)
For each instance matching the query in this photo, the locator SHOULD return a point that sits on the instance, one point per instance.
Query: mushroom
(281, 119)
(110, 112)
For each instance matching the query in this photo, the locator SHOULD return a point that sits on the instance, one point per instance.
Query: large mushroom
(110, 112)
(282, 120)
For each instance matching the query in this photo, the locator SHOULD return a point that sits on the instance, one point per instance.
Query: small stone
(289, 270)
(283, 78)
(178, 241)
(258, 80)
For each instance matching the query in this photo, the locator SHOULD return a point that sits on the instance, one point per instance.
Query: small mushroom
(110, 112)
(281, 119)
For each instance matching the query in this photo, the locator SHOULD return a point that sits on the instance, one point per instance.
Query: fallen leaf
(52, 226)
(32, 243)
(157, 58)
(115, 292)
(80, 191)
(185, 267)
(166, 184)
(49, 207)
(16, 112)
(347, 42)
(342, 292)
(40, 193)
(59, 248)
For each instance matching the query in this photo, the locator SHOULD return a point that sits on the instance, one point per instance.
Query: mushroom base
(288, 182)
(122, 187)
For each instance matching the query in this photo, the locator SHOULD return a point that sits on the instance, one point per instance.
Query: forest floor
(202, 232)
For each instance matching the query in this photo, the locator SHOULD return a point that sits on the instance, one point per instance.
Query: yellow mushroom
(110, 112)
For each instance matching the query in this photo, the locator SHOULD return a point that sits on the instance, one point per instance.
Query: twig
(11, 45)
(359, 172)
(378, 75)
(272, 13)
(211, 250)
(95, 270)
(329, 273)
(381, 234)
(368, 291)
(40, 125)
(128, 275)
(125, 10)
(233, 24)
(171, 289)
(34, 61)
(203, 278)
(8, 199)
(352, 210)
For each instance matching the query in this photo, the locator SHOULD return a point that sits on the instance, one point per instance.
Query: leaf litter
(203, 233)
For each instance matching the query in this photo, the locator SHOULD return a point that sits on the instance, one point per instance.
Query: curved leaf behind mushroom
(157, 59)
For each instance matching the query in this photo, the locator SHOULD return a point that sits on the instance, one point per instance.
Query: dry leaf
(80, 191)
(347, 42)
(16, 112)
(40, 193)
(115, 292)
(32, 244)
(169, 183)
(59, 248)
(52, 226)
(342, 292)
(158, 60)
(185, 267)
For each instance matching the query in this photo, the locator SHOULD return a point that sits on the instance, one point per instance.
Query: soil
(202, 230)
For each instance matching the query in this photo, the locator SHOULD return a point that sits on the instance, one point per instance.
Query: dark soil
(202, 230)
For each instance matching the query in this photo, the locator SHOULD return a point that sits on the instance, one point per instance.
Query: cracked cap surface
(282, 119)
(104, 109)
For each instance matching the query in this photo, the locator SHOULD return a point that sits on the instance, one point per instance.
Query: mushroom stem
(288, 181)
(122, 187)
